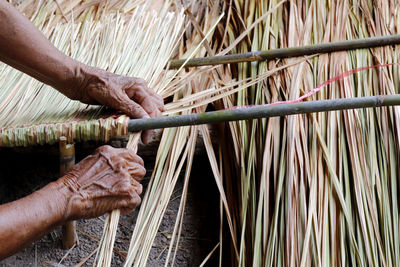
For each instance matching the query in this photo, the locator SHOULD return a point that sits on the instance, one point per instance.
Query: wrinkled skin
(127, 94)
(107, 180)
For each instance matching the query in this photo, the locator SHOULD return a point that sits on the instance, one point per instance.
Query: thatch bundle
(317, 189)
(301, 190)
(106, 36)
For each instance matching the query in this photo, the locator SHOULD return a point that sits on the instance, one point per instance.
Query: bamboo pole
(67, 160)
(289, 52)
(136, 125)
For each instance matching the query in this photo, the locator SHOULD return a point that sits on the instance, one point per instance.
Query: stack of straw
(303, 190)
(136, 41)
(318, 189)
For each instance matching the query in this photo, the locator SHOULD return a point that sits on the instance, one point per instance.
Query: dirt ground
(26, 170)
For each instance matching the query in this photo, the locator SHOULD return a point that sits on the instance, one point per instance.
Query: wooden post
(67, 160)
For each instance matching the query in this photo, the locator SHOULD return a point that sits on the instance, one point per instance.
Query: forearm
(26, 220)
(25, 48)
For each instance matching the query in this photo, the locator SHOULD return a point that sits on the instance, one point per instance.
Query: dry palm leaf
(138, 44)
(320, 189)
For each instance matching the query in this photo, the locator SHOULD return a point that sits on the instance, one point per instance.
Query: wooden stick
(289, 52)
(67, 160)
(257, 112)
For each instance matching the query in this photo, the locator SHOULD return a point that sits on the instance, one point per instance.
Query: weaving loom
(136, 42)
(125, 37)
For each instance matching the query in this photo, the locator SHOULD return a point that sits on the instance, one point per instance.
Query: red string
(319, 87)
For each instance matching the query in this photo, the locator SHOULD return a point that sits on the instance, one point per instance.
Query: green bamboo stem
(289, 52)
(136, 125)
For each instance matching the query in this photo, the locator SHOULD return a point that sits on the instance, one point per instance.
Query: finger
(141, 92)
(123, 187)
(137, 186)
(105, 148)
(150, 107)
(128, 155)
(158, 100)
(131, 204)
(133, 201)
(155, 113)
(162, 108)
(125, 211)
(136, 158)
(128, 204)
(137, 92)
(136, 171)
(132, 109)
(129, 182)
(147, 136)
(150, 103)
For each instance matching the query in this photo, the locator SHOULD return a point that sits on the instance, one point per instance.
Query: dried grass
(136, 45)
(302, 190)
(318, 189)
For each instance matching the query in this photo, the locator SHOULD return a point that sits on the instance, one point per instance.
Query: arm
(24, 47)
(107, 180)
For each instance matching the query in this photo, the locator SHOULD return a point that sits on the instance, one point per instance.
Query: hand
(127, 94)
(107, 180)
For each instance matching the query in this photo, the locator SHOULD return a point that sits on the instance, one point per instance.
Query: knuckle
(131, 192)
(127, 150)
(124, 174)
(136, 108)
(105, 148)
(127, 188)
(139, 84)
(131, 154)
(141, 81)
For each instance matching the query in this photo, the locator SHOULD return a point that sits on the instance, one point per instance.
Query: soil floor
(26, 170)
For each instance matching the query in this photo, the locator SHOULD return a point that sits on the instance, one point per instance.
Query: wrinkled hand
(107, 180)
(127, 94)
